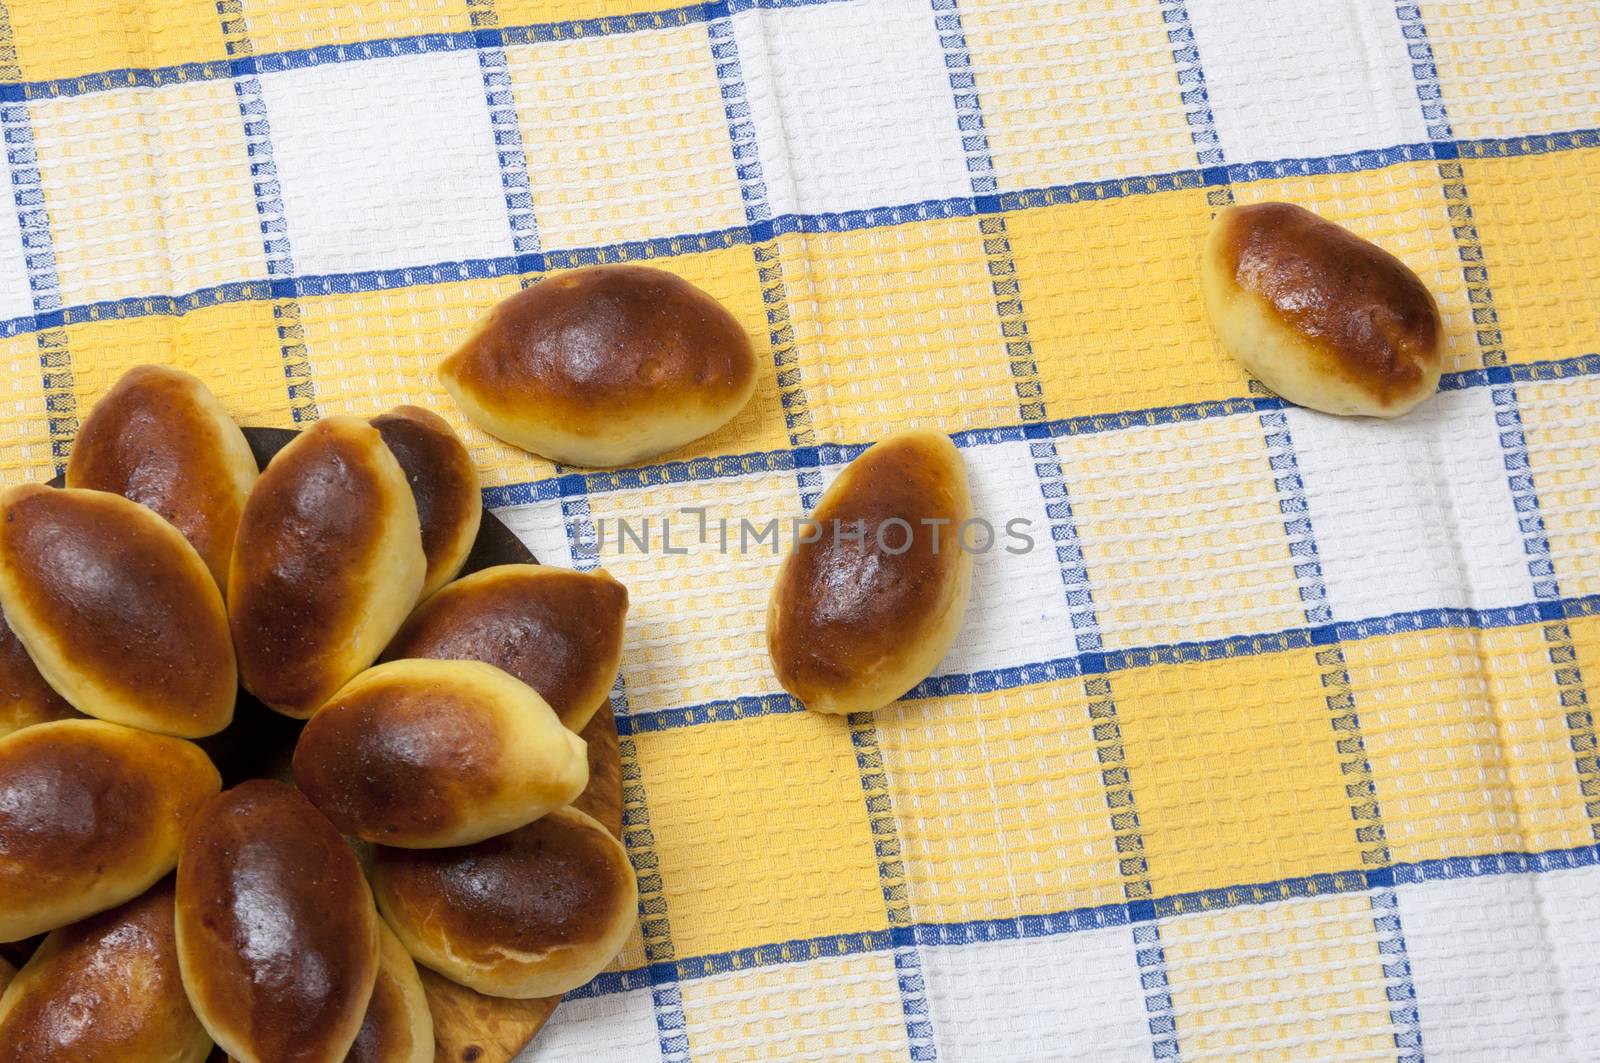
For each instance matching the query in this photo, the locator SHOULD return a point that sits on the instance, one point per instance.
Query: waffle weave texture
(1277, 745)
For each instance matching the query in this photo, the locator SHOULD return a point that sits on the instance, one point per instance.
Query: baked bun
(444, 484)
(852, 624)
(277, 936)
(327, 564)
(105, 990)
(557, 630)
(160, 438)
(604, 366)
(398, 1027)
(25, 698)
(423, 754)
(91, 815)
(532, 913)
(117, 610)
(1319, 315)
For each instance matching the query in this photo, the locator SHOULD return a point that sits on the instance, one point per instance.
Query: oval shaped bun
(105, 990)
(851, 626)
(277, 935)
(423, 754)
(328, 563)
(398, 1027)
(1319, 315)
(117, 610)
(25, 698)
(604, 366)
(160, 438)
(444, 484)
(532, 913)
(557, 630)
(91, 815)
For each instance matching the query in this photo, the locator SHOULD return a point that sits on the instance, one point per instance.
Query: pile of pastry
(167, 573)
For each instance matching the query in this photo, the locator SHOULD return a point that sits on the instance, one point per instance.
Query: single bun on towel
(327, 564)
(856, 620)
(532, 913)
(398, 1027)
(444, 484)
(91, 815)
(25, 698)
(277, 935)
(105, 990)
(1319, 315)
(117, 610)
(604, 366)
(423, 753)
(160, 438)
(557, 630)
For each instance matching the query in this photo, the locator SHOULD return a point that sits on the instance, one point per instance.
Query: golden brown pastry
(328, 563)
(557, 630)
(117, 610)
(160, 438)
(91, 815)
(855, 622)
(277, 936)
(532, 913)
(105, 990)
(398, 1027)
(604, 366)
(1321, 316)
(444, 483)
(423, 753)
(25, 698)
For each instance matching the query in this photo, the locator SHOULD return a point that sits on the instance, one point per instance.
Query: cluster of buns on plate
(429, 816)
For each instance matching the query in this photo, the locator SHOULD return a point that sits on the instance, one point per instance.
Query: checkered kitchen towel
(1277, 745)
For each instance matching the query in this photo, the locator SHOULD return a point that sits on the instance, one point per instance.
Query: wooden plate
(468, 1027)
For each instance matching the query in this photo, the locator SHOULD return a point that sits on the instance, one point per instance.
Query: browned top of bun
(279, 933)
(116, 590)
(1362, 307)
(438, 468)
(554, 882)
(386, 1014)
(554, 629)
(25, 697)
(434, 744)
(81, 799)
(842, 605)
(607, 338)
(310, 530)
(147, 440)
(106, 988)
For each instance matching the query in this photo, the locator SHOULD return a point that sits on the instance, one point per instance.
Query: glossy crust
(160, 438)
(604, 366)
(277, 936)
(117, 610)
(532, 913)
(444, 484)
(557, 630)
(423, 753)
(328, 563)
(91, 815)
(398, 1027)
(1321, 316)
(25, 698)
(852, 625)
(105, 990)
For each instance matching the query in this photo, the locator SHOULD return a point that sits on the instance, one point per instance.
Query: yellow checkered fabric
(1277, 740)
